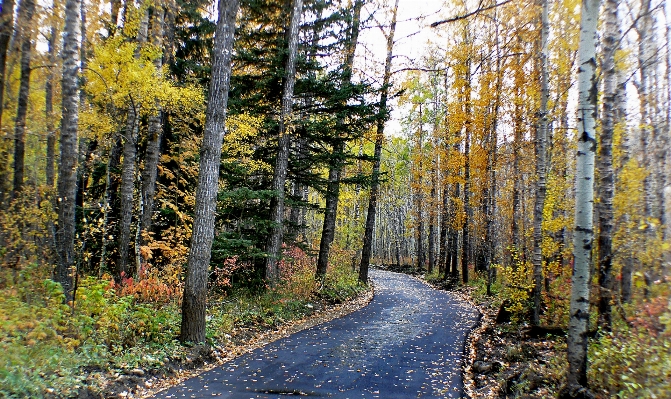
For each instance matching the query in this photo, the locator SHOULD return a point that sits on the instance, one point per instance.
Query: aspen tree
(6, 29)
(195, 285)
(155, 132)
(606, 181)
(25, 29)
(583, 233)
(67, 167)
(541, 160)
(129, 163)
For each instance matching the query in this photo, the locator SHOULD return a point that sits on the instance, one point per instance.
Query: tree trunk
(606, 185)
(466, 245)
(49, 109)
(583, 234)
(444, 223)
(153, 152)
(67, 167)
(129, 167)
(6, 29)
(377, 154)
(333, 189)
(274, 244)
(541, 163)
(195, 284)
(26, 11)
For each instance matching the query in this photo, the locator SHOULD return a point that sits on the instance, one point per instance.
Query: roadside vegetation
(111, 331)
(514, 359)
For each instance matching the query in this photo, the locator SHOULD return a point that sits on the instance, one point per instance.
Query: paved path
(407, 343)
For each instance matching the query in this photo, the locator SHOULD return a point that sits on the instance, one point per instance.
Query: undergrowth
(51, 348)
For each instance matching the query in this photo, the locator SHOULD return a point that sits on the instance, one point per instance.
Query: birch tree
(583, 232)
(541, 161)
(195, 284)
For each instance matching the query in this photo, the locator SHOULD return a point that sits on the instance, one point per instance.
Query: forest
(178, 177)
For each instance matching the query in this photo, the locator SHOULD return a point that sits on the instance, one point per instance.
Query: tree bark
(274, 244)
(366, 250)
(129, 166)
(67, 167)
(583, 234)
(605, 164)
(541, 162)
(49, 109)
(195, 285)
(466, 244)
(333, 189)
(153, 152)
(6, 29)
(26, 11)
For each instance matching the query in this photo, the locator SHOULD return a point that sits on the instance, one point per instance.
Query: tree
(153, 153)
(606, 183)
(67, 167)
(284, 139)
(26, 11)
(195, 284)
(6, 29)
(129, 164)
(366, 251)
(333, 185)
(541, 161)
(583, 235)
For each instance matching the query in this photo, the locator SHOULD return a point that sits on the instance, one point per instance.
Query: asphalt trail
(407, 343)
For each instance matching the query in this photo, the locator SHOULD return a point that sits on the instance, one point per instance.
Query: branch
(470, 14)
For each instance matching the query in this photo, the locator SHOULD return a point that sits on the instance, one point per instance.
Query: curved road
(407, 343)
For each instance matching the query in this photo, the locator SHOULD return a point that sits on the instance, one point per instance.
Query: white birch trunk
(583, 233)
(541, 162)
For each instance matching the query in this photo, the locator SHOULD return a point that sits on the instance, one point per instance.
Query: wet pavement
(407, 343)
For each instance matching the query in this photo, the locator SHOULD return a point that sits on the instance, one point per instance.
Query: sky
(411, 40)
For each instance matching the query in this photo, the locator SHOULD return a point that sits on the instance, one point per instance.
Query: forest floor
(138, 383)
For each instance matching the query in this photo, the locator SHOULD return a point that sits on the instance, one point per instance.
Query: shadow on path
(407, 343)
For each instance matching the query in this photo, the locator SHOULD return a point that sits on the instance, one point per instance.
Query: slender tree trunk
(333, 189)
(379, 139)
(274, 244)
(49, 109)
(153, 152)
(195, 284)
(67, 167)
(605, 165)
(444, 223)
(110, 217)
(129, 167)
(541, 163)
(466, 244)
(6, 30)
(26, 11)
(647, 54)
(583, 235)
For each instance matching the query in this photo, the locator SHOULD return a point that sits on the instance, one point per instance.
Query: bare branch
(470, 14)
